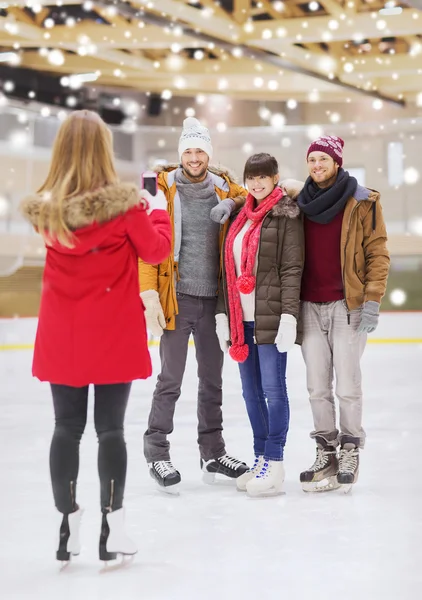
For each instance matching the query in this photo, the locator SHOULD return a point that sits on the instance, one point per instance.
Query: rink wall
(394, 328)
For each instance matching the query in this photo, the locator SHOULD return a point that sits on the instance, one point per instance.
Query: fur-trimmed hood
(99, 206)
(220, 171)
(287, 205)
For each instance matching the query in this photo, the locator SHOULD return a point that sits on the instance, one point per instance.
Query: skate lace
(256, 464)
(321, 460)
(230, 462)
(348, 461)
(264, 470)
(164, 468)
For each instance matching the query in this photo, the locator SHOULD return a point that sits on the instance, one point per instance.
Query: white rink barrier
(394, 328)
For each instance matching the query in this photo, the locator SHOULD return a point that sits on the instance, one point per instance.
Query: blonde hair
(82, 161)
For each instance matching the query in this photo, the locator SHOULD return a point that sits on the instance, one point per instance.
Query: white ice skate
(69, 541)
(114, 540)
(269, 481)
(250, 474)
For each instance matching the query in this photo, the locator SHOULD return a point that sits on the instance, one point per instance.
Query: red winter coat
(91, 326)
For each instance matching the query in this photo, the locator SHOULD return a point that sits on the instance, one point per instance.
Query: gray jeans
(196, 316)
(332, 345)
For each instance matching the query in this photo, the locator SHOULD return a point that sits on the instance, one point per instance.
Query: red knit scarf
(245, 283)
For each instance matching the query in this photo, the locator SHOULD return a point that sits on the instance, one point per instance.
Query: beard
(198, 176)
(328, 179)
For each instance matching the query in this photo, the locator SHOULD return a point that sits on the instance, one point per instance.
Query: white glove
(286, 334)
(154, 315)
(223, 331)
(157, 202)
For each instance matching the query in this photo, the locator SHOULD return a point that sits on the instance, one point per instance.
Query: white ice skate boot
(269, 481)
(69, 542)
(113, 539)
(250, 474)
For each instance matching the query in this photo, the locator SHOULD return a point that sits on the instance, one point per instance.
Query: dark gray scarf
(322, 205)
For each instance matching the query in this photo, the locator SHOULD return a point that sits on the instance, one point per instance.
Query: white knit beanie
(195, 135)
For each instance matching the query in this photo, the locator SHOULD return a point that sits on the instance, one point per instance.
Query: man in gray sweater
(180, 298)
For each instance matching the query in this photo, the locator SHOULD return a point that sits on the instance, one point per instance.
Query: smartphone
(149, 182)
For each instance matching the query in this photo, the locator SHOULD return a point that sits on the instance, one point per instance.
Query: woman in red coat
(91, 327)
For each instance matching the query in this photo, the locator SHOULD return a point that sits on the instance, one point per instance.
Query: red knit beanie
(330, 144)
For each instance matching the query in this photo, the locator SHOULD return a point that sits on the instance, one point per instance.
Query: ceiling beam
(241, 10)
(222, 27)
(254, 53)
(317, 29)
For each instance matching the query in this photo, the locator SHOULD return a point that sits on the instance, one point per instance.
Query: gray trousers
(331, 345)
(196, 316)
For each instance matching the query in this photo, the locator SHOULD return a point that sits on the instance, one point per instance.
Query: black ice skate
(322, 476)
(348, 470)
(225, 465)
(165, 475)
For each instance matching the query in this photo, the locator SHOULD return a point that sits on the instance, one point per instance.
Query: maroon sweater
(322, 278)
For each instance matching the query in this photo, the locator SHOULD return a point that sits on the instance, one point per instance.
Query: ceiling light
(278, 121)
(56, 57)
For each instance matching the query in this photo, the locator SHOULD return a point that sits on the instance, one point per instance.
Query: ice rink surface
(213, 542)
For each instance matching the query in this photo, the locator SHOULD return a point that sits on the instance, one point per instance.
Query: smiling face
(195, 164)
(261, 186)
(322, 168)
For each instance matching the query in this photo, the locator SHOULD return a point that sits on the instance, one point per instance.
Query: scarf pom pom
(246, 284)
(239, 353)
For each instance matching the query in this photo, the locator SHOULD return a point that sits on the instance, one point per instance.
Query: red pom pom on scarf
(239, 353)
(246, 284)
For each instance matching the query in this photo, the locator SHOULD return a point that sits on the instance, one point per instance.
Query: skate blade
(122, 561)
(169, 490)
(325, 485)
(208, 478)
(266, 494)
(346, 488)
(218, 479)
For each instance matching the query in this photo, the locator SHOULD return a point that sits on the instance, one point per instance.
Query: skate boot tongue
(349, 446)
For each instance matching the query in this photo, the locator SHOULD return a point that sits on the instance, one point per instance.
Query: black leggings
(70, 408)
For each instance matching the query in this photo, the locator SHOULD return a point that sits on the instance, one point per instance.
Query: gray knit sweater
(199, 251)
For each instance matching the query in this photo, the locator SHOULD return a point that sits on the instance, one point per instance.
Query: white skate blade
(266, 493)
(325, 485)
(346, 487)
(208, 478)
(168, 490)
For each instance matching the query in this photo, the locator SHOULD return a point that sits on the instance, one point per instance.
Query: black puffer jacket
(279, 273)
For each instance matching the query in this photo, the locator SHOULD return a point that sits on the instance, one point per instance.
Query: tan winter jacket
(279, 272)
(365, 260)
(162, 277)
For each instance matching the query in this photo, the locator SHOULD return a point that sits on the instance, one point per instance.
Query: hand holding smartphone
(150, 192)
(149, 182)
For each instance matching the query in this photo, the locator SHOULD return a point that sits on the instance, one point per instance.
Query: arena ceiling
(252, 49)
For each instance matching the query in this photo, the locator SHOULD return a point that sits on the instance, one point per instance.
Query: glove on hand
(154, 315)
(369, 317)
(223, 331)
(286, 335)
(157, 202)
(223, 210)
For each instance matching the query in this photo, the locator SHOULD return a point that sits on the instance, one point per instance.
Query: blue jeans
(263, 376)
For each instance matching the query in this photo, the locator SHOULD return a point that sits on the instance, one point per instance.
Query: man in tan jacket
(180, 297)
(344, 279)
